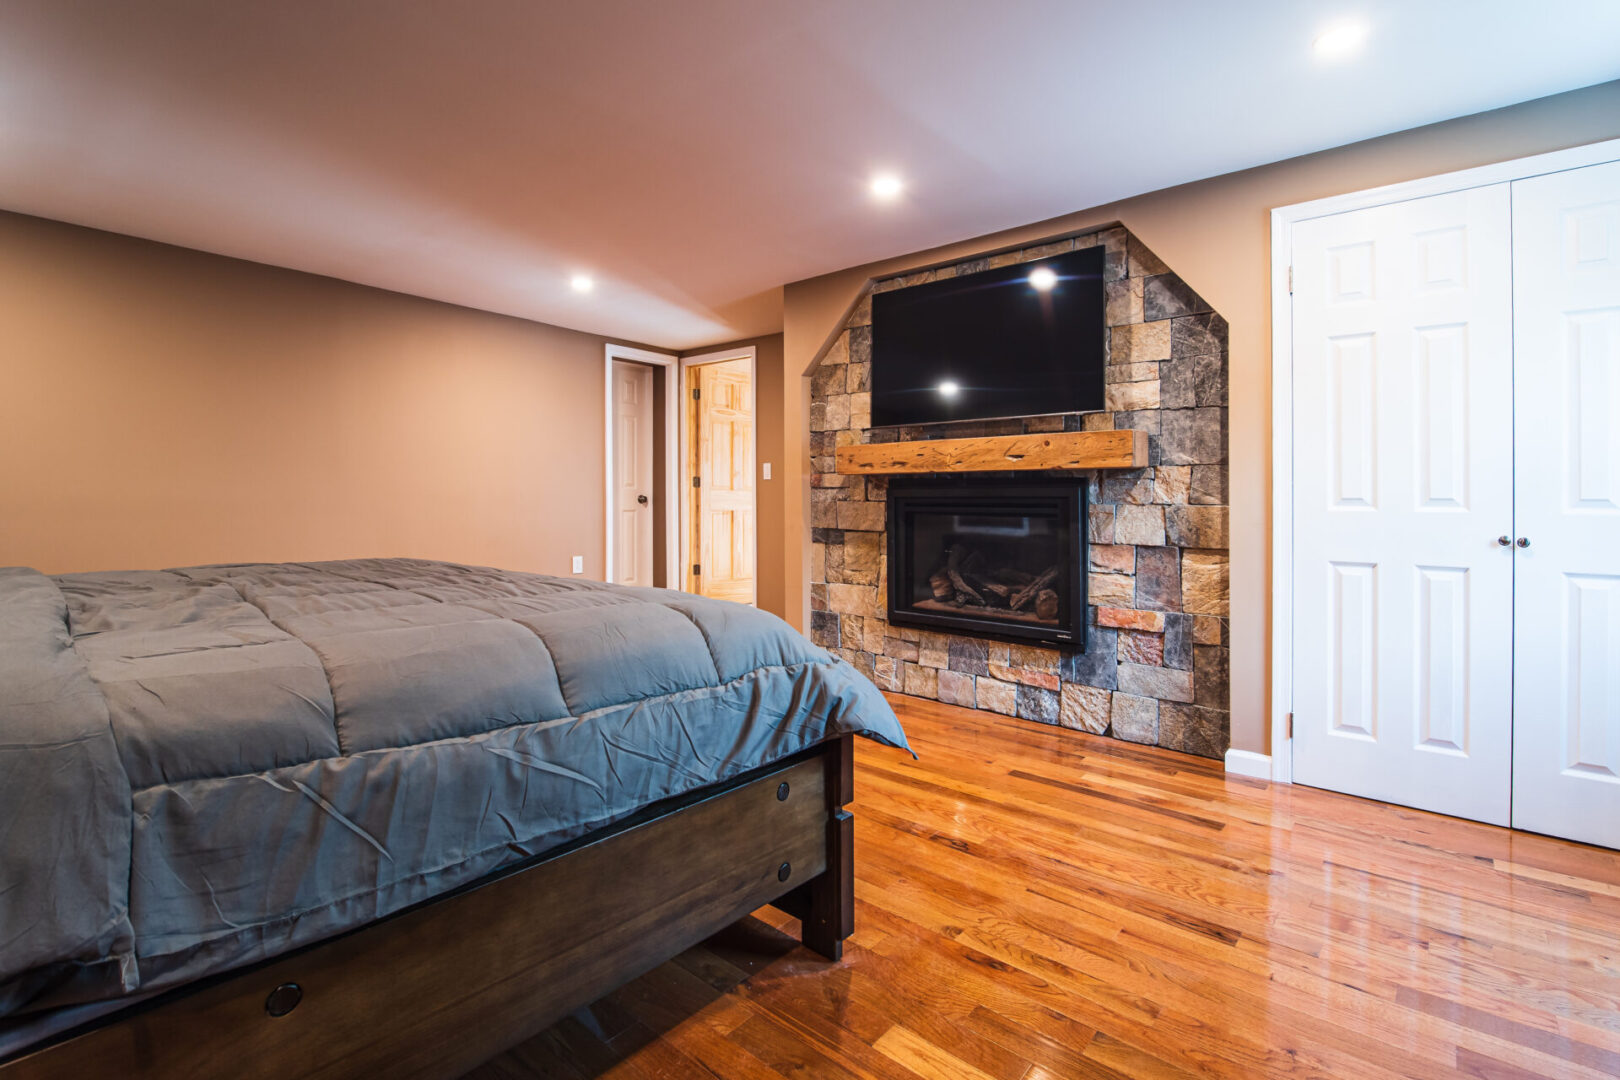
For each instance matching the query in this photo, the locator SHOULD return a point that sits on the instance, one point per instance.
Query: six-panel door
(633, 473)
(1403, 483)
(1566, 272)
(723, 461)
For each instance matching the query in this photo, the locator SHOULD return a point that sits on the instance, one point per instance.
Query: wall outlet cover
(579, 564)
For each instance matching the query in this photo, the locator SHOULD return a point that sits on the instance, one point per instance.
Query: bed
(390, 816)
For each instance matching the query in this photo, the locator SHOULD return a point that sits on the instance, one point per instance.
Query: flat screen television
(1020, 340)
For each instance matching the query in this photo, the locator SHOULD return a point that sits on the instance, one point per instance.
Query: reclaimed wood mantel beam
(1055, 450)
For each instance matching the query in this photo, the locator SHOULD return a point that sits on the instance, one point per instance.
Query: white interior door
(1566, 272)
(633, 473)
(1403, 481)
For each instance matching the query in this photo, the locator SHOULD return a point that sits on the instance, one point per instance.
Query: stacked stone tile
(1155, 669)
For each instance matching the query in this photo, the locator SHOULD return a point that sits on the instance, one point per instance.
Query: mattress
(202, 768)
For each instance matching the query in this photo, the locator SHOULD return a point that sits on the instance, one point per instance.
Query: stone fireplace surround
(1155, 669)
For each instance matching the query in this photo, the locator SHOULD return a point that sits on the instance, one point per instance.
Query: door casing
(1280, 764)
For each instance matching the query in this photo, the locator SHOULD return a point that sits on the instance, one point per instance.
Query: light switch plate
(579, 564)
(767, 468)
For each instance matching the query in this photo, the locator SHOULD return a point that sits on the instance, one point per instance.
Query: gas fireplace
(1003, 559)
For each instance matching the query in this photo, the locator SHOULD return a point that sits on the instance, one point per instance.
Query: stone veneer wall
(1156, 665)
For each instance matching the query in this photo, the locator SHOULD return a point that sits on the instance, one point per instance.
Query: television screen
(1018, 340)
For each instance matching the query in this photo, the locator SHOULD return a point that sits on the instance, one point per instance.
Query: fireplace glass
(995, 559)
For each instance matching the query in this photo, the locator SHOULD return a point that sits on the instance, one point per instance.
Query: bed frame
(443, 986)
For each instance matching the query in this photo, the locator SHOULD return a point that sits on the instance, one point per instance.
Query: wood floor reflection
(1038, 903)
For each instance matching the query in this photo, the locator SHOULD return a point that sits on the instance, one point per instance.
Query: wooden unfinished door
(720, 457)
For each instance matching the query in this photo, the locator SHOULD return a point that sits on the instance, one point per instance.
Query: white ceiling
(693, 155)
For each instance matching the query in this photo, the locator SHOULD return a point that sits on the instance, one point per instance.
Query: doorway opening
(642, 468)
(718, 451)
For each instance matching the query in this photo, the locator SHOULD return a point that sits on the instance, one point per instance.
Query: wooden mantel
(1054, 450)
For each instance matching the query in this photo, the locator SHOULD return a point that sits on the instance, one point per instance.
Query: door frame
(1280, 766)
(719, 356)
(672, 488)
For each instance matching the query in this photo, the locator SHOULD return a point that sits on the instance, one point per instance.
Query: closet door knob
(1523, 541)
(1503, 541)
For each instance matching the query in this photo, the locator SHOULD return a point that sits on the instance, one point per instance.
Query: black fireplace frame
(1040, 494)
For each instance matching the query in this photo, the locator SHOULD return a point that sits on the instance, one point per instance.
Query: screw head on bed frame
(784, 871)
(782, 791)
(283, 999)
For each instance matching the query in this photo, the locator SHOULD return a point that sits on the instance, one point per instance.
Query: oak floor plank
(1175, 995)
(1035, 903)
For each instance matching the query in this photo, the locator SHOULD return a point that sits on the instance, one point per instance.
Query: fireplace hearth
(1001, 559)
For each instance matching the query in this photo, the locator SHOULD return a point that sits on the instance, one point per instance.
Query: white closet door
(1403, 474)
(1566, 272)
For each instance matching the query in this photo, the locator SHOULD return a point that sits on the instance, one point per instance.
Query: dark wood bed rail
(825, 905)
(441, 987)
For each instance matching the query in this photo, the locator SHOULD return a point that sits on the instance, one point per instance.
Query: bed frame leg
(829, 910)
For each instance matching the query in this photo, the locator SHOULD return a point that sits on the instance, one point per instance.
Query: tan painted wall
(769, 495)
(1216, 233)
(160, 407)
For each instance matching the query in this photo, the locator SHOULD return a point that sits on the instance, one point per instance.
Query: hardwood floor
(1036, 903)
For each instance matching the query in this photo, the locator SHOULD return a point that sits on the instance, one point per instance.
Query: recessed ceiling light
(582, 283)
(887, 187)
(1042, 278)
(948, 389)
(1339, 40)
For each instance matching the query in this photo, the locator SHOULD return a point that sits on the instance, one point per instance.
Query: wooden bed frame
(443, 986)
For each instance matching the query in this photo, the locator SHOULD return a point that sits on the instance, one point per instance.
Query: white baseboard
(1248, 763)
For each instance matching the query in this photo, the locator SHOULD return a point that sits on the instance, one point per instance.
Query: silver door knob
(642, 499)
(1523, 541)
(1503, 541)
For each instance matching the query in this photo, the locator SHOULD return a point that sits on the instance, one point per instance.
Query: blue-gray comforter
(202, 768)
